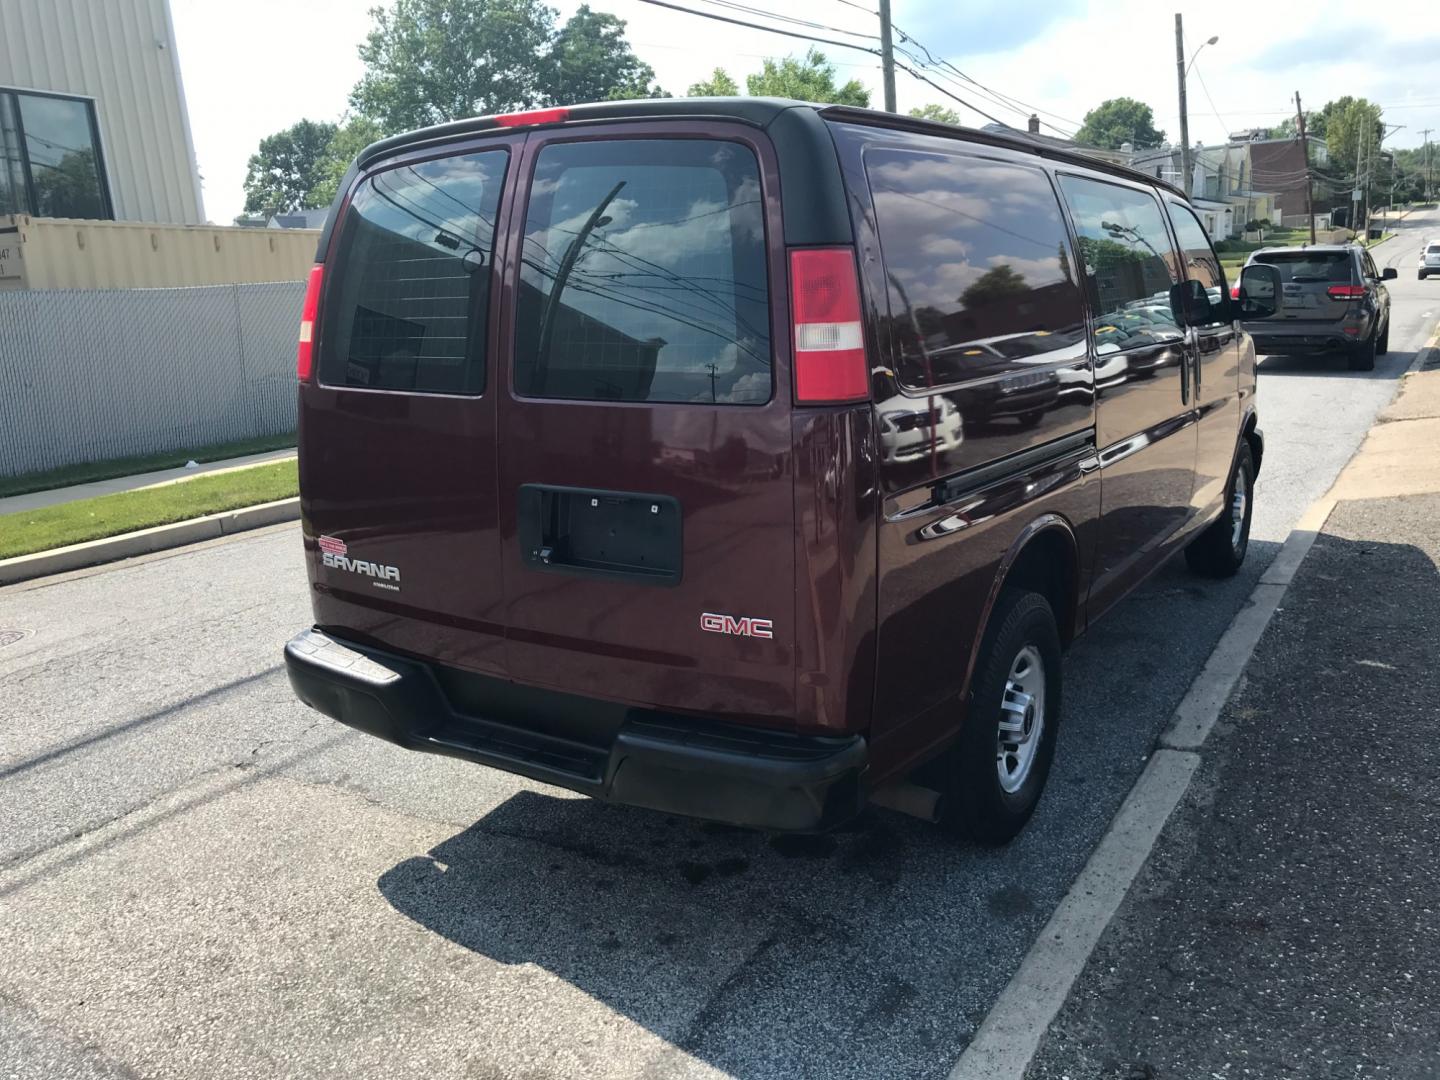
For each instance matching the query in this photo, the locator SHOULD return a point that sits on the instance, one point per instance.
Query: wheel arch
(1043, 558)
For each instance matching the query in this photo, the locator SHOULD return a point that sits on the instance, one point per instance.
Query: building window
(50, 157)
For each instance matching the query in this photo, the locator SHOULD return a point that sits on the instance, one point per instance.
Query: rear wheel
(1422, 275)
(1363, 356)
(992, 778)
(1220, 550)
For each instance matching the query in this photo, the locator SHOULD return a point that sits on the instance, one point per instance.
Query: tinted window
(643, 274)
(1312, 267)
(1370, 270)
(1201, 262)
(409, 310)
(978, 264)
(1129, 259)
(60, 149)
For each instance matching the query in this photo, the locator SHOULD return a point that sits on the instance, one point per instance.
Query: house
(1254, 177)
(92, 113)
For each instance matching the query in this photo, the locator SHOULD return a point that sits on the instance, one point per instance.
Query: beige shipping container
(119, 56)
(58, 253)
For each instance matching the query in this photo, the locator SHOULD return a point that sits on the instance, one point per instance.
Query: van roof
(759, 112)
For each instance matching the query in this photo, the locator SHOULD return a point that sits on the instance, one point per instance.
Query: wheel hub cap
(1022, 719)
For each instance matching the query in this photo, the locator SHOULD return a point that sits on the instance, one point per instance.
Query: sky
(298, 60)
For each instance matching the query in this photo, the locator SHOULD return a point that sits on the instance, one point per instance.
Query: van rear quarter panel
(940, 563)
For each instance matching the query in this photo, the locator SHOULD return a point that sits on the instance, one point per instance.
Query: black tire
(1363, 356)
(1216, 552)
(1422, 275)
(976, 805)
(1383, 345)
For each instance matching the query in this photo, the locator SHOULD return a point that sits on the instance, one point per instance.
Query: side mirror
(1259, 291)
(1389, 274)
(1190, 304)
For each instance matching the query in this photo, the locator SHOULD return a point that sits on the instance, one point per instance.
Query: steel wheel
(1239, 503)
(1022, 719)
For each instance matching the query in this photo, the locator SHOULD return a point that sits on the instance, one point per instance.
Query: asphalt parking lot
(199, 876)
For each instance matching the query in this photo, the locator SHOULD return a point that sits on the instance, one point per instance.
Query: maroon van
(743, 458)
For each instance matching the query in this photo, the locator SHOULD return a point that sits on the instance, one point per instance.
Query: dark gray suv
(1334, 300)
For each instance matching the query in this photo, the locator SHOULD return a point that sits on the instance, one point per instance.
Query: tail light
(1235, 291)
(1346, 292)
(305, 354)
(533, 116)
(830, 362)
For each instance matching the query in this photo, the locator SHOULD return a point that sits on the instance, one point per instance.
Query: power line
(823, 41)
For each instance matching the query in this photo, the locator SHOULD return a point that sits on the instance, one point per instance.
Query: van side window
(409, 309)
(643, 274)
(1129, 259)
(1201, 262)
(978, 262)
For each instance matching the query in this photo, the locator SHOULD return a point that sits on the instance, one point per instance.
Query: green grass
(1380, 239)
(127, 511)
(130, 466)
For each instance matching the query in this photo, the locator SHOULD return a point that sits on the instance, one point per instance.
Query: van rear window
(643, 274)
(1309, 266)
(408, 309)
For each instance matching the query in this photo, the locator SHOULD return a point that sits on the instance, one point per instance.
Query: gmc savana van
(741, 458)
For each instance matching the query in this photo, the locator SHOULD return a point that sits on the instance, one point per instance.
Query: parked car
(1334, 301)
(1429, 261)
(636, 449)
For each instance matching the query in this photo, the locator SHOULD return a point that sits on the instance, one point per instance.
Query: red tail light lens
(305, 354)
(830, 362)
(1346, 292)
(533, 116)
(1235, 291)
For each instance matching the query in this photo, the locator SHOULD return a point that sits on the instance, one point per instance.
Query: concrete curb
(143, 542)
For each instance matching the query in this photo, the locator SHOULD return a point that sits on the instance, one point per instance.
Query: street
(199, 876)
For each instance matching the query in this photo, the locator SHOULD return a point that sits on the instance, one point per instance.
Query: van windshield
(1309, 266)
(643, 274)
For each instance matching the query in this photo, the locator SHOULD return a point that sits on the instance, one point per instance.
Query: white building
(92, 113)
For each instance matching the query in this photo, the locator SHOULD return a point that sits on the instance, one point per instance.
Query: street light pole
(887, 56)
(1183, 69)
(1184, 116)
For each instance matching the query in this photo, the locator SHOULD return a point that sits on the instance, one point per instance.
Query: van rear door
(645, 489)
(397, 427)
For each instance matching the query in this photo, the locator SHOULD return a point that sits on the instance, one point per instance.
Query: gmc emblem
(742, 627)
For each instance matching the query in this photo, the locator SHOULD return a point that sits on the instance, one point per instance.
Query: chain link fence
(87, 375)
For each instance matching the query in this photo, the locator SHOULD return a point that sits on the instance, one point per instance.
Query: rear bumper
(1311, 339)
(722, 772)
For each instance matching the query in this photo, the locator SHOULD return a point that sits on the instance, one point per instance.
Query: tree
(1353, 130)
(1289, 129)
(590, 60)
(937, 113)
(354, 134)
(428, 61)
(1117, 121)
(995, 284)
(720, 84)
(809, 79)
(284, 171)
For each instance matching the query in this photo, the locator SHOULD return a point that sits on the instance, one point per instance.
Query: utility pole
(1426, 194)
(887, 56)
(1309, 179)
(1184, 116)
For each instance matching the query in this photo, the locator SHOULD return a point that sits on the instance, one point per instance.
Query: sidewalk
(37, 499)
(1286, 923)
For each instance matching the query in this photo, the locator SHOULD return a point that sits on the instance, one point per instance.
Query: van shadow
(1388, 368)
(755, 953)
(874, 951)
